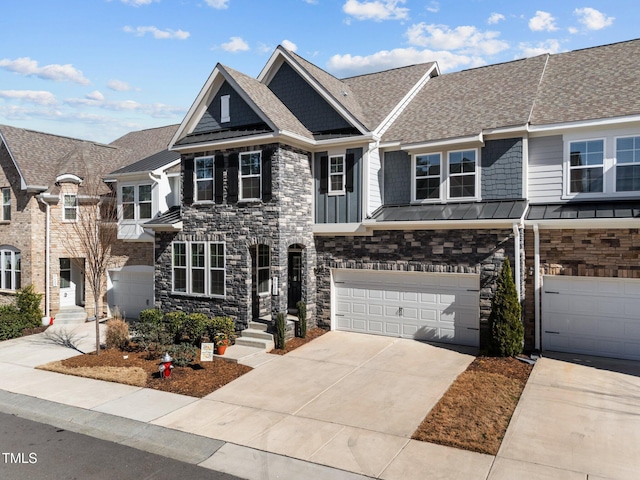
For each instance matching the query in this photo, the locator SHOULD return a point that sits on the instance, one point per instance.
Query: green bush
(193, 328)
(173, 323)
(150, 315)
(151, 337)
(224, 325)
(507, 331)
(183, 354)
(301, 327)
(28, 303)
(11, 322)
(281, 328)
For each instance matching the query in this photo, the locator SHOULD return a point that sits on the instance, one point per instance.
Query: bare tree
(95, 231)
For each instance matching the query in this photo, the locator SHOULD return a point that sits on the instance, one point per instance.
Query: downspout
(536, 284)
(516, 239)
(47, 258)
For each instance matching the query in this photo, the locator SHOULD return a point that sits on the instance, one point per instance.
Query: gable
(240, 113)
(306, 104)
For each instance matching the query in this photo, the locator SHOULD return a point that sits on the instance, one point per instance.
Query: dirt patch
(298, 342)
(475, 412)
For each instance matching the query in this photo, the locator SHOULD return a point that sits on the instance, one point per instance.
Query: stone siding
(281, 222)
(438, 251)
(583, 253)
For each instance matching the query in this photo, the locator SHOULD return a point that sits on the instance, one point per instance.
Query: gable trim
(23, 183)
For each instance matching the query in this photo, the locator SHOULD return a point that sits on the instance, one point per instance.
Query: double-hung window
(427, 174)
(336, 175)
(204, 179)
(128, 203)
(6, 204)
(250, 175)
(70, 206)
(586, 166)
(10, 266)
(627, 164)
(462, 174)
(144, 202)
(136, 202)
(198, 268)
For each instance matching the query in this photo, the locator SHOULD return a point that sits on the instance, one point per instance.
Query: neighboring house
(45, 181)
(388, 202)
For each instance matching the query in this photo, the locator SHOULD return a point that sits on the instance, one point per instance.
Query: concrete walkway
(342, 407)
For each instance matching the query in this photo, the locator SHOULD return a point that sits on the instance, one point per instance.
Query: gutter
(516, 240)
(47, 256)
(536, 284)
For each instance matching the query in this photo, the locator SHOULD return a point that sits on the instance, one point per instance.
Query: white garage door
(437, 307)
(592, 316)
(132, 291)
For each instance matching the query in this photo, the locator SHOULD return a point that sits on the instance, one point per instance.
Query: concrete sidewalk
(242, 429)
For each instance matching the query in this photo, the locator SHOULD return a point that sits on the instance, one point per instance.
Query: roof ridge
(75, 139)
(387, 70)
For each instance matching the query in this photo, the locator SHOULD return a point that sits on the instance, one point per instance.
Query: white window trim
(253, 175)
(207, 270)
(445, 177)
(136, 202)
(343, 189)
(609, 164)
(225, 114)
(13, 252)
(259, 268)
(196, 179)
(123, 203)
(5, 204)
(65, 207)
(616, 165)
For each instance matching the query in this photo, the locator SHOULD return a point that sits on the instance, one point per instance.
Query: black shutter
(348, 183)
(324, 174)
(218, 177)
(232, 178)
(266, 174)
(187, 181)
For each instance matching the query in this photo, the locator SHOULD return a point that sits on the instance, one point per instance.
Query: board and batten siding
(345, 208)
(545, 169)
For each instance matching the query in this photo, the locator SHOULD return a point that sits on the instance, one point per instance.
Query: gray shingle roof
(143, 143)
(150, 163)
(170, 217)
(494, 210)
(585, 210)
(593, 83)
(464, 103)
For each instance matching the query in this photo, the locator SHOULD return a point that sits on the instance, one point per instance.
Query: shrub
(224, 325)
(117, 334)
(193, 328)
(173, 322)
(28, 303)
(150, 315)
(301, 327)
(11, 322)
(281, 328)
(151, 337)
(507, 331)
(183, 354)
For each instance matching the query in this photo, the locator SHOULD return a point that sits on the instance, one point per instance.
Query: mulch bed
(475, 412)
(298, 342)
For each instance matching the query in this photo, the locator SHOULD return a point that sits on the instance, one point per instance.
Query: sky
(98, 69)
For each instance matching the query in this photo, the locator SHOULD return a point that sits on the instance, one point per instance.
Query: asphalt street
(35, 451)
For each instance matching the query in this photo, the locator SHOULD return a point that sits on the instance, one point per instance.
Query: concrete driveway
(578, 418)
(347, 400)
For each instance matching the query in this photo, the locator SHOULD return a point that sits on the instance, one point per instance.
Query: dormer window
(225, 114)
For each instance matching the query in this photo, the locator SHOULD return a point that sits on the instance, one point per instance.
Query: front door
(294, 280)
(67, 284)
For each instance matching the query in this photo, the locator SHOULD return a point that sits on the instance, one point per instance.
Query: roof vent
(345, 94)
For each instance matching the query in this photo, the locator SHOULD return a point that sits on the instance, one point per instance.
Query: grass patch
(135, 376)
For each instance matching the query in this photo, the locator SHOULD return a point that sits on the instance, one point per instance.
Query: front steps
(256, 336)
(70, 315)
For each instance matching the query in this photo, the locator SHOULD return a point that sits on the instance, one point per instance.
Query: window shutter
(232, 178)
(266, 174)
(187, 181)
(218, 177)
(324, 174)
(348, 183)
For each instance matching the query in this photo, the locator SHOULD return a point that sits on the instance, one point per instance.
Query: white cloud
(495, 18)
(542, 21)
(59, 73)
(573, 30)
(137, 3)
(95, 95)
(311, 2)
(434, 7)
(532, 50)
(219, 4)
(593, 19)
(157, 33)
(289, 45)
(345, 65)
(119, 86)
(235, 44)
(38, 97)
(468, 40)
(377, 10)
(156, 110)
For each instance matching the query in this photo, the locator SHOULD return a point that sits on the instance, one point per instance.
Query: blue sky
(97, 69)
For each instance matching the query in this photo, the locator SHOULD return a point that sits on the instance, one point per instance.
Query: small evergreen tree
(507, 331)
(301, 327)
(281, 328)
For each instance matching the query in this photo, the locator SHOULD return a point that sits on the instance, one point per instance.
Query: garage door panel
(132, 291)
(593, 316)
(422, 306)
